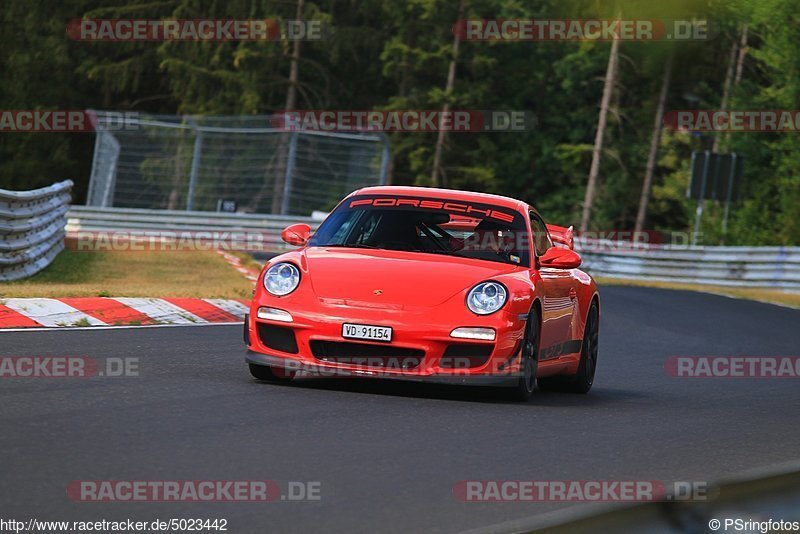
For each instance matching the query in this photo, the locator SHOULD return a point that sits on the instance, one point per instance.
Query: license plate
(365, 331)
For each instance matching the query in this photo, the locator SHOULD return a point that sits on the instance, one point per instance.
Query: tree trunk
(291, 102)
(655, 139)
(436, 174)
(594, 170)
(737, 79)
(726, 89)
(742, 53)
(178, 175)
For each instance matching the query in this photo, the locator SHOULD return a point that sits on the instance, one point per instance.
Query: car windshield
(426, 225)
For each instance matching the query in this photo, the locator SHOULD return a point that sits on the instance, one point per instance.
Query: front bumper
(421, 347)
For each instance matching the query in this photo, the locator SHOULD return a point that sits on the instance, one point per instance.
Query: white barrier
(777, 267)
(31, 229)
(146, 222)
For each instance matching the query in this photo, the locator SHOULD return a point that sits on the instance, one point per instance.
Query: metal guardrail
(31, 229)
(759, 496)
(777, 267)
(146, 222)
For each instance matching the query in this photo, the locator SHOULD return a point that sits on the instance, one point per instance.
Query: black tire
(271, 374)
(529, 359)
(582, 381)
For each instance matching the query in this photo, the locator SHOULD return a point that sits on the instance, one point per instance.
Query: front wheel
(271, 374)
(582, 381)
(529, 360)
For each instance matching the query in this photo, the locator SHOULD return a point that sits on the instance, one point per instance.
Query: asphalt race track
(387, 454)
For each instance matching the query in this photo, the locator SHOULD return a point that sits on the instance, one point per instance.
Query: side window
(367, 227)
(343, 230)
(541, 239)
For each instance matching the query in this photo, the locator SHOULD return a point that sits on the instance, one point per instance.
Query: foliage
(395, 54)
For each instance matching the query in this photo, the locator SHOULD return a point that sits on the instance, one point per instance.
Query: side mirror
(296, 234)
(560, 258)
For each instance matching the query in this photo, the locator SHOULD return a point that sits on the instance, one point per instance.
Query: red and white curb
(236, 263)
(102, 311)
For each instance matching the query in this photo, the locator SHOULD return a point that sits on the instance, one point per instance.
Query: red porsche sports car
(428, 284)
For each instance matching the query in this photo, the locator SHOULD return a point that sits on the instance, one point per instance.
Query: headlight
(281, 279)
(486, 298)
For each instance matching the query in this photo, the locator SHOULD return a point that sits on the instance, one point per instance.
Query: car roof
(449, 194)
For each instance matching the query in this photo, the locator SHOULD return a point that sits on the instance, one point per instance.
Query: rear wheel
(529, 360)
(271, 374)
(582, 381)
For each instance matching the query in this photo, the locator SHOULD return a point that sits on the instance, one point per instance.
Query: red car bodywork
(422, 298)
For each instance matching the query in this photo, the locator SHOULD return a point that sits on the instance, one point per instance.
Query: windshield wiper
(353, 245)
(436, 251)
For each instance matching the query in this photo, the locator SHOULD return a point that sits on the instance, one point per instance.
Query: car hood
(398, 278)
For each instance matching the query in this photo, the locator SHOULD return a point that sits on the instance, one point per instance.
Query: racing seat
(396, 231)
(487, 236)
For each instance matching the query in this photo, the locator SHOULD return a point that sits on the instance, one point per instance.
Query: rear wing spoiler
(561, 235)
